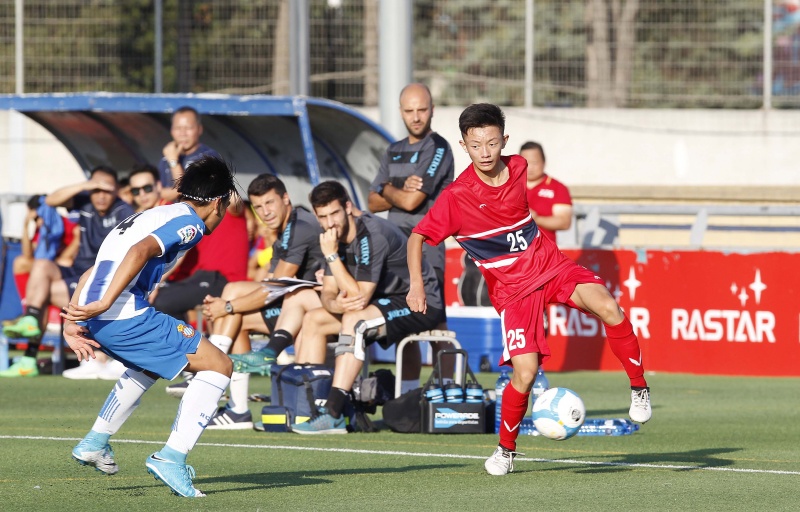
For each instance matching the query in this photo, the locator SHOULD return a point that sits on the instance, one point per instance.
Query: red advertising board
(694, 311)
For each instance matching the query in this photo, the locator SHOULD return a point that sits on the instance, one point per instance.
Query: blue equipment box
(479, 331)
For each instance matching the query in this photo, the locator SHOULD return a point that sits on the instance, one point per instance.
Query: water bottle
(453, 393)
(474, 393)
(607, 427)
(433, 393)
(527, 428)
(502, 381)
(540, 385)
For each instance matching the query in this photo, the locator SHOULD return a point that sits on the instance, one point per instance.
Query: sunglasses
(146, 189)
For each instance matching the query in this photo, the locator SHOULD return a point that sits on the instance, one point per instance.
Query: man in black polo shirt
(413, 172)
(243, 308)
(364, 288)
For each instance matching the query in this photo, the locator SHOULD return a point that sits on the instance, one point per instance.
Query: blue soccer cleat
(90, 453)
(177, 476)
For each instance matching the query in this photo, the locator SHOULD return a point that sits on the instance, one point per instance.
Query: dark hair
(264, 183)
(35, 201)
(327, 192)
(186, 109)
(206, 179)
(145, 169)
(533, 145)
(106, 170)
(480, 115)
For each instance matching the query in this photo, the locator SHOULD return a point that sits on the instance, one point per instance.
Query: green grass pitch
(714, 443)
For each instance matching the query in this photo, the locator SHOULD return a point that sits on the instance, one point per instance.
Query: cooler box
(480, 334)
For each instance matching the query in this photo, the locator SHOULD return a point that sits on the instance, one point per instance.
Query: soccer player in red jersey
(486, 210)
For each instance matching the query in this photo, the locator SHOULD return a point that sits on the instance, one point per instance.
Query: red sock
(512, 410)
(625, 345)
(22, 281)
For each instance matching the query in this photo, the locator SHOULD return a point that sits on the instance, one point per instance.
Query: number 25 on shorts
(515, 338)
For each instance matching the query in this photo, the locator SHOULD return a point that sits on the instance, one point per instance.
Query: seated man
(365, 284)
(145, 187)
(243, 306)
(100, 211)
(53, 238)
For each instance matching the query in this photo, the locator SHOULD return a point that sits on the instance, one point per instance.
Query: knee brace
(344, 346)
(367, 329)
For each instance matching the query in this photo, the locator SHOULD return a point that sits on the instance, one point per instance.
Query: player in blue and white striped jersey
(110, 311)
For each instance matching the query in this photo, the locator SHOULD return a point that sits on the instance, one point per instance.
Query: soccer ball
(558, 413)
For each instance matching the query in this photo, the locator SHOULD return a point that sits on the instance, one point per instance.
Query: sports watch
(229, 307)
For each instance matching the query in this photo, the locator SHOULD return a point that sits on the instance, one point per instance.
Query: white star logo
(757, 286)
(632, 283)
(743, 296)
(734, 288)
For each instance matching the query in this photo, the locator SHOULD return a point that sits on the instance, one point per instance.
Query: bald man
(413, 172)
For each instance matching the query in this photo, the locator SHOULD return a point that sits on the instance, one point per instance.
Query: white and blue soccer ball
(558, 413)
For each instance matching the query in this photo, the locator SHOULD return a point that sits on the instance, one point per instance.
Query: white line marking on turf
(435, 455)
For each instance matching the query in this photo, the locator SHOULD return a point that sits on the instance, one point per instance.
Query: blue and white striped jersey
(176, 228)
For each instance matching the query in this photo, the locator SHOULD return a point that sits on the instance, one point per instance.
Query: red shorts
(522, 321)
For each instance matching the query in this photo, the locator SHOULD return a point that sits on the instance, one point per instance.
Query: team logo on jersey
(186, 330)
(364, 245)
(437, 159)
(550, 194)
(187, 234)
(286, 235)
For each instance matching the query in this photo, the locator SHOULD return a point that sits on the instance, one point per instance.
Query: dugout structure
(302, 140)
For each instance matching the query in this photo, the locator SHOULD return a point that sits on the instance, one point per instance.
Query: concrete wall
(651, 148)
(31, 159)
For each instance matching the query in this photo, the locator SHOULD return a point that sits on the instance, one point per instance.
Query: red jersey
(543, 196)
(495, 228)
(226, 251)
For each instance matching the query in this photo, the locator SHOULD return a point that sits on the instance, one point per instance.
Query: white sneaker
(501, 462)
(640, 410)
(112, 370)
(86, 370)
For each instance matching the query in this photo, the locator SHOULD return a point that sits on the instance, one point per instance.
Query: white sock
(408, 385)
(122, 401)
(221, 342)
(197, 406)
(240, 385)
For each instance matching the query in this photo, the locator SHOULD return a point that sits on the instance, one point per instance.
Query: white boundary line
(434, 455)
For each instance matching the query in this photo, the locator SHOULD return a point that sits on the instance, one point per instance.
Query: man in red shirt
(486, 210)
(548, 198)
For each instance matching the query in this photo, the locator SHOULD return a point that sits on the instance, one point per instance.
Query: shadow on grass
(611, 413)
(280, 479)
(697, 459)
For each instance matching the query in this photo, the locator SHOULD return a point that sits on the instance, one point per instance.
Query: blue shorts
(151, 341)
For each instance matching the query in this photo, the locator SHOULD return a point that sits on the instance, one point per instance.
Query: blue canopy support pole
(303, 121)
